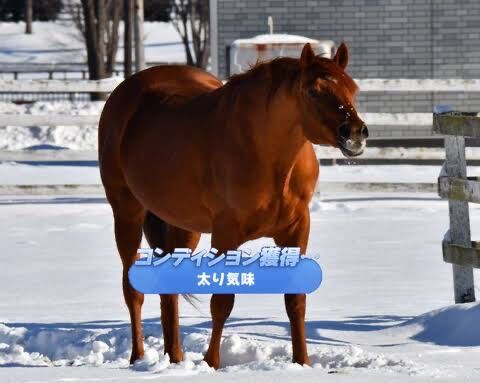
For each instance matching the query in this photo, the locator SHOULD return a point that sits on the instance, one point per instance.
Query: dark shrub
(156, 10)
(43, 10)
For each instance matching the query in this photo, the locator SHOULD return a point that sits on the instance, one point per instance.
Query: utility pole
(127, 37)
(28, 16)
(139, 49)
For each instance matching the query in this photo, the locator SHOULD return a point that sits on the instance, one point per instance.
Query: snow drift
(90, 344)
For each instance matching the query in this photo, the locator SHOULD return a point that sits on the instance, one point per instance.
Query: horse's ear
(341, 56)
(307, 55)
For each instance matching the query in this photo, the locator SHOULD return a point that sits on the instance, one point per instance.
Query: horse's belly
(195, 220)
(180, 209)
(173, 195)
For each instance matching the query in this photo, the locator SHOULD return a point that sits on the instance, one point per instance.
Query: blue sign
(273, 270)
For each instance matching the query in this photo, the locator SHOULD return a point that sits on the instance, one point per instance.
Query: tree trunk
(139, 50)
(90, 37)
(112, 42)
(128, 18)
(101, 29)
(28, 16)
(100, 39)
(191, 20)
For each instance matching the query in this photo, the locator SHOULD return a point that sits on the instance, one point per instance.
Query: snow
(383, 312)
(245, 53)
(275, 38)
(60, 42)
(450, 326)
(72, 137)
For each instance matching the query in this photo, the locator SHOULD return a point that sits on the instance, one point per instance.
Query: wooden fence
(106, 86)
(459, 189)
(64, 70)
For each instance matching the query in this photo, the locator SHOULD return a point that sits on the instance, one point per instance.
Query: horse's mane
(279, 71)
(286, 71)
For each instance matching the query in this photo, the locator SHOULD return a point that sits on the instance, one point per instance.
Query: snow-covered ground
(383, 313)
(60, 42)
(71, 137)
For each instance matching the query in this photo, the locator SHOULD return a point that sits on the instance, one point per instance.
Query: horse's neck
(272, 129)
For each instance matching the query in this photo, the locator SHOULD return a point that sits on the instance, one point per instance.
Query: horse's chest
(265, 217)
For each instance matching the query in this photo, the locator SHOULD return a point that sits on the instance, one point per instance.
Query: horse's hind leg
(129, 215)
(167, 237)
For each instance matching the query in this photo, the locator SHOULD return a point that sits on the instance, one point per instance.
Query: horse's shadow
(354, 323)
(77, 332)
(315, 328)
(152, 327)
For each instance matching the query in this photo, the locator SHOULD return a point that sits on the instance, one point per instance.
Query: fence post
(456, 166)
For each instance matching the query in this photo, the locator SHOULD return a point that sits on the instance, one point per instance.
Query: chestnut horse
(182, 154)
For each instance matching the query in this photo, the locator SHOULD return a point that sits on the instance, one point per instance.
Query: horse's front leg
(225, 236)
(297, 236)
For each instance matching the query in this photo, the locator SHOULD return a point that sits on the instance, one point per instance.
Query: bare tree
(139, 49)
(75, 10)
(98, 23)
(127, 37)
(191, 19)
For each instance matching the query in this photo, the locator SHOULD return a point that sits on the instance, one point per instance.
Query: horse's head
(327, 102)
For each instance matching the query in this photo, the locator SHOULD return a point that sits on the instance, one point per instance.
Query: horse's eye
(313, 92)
(331, 79)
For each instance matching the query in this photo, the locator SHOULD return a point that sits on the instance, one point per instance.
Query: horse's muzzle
(351, 148)
(352, 145)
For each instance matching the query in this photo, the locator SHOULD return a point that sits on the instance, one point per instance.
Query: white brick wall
(387, 38)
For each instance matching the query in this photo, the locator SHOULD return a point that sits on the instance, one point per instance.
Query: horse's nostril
(364, 132)
(344, 130)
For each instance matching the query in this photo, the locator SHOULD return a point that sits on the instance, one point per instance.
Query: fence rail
(51, 69)
(385, 154)
(48, 120)
(62, 86)
(418, 85)
(322, 187)
(371, 119)
(365, 85)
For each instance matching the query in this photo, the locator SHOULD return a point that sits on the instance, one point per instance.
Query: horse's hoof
(136, 356)
(302, 361)
(176, 357)
(212, 362)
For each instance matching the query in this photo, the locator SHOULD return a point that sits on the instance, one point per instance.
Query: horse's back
(180, 83)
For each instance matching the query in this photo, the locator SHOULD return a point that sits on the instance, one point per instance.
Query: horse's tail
(192, 300)
(155, 230)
